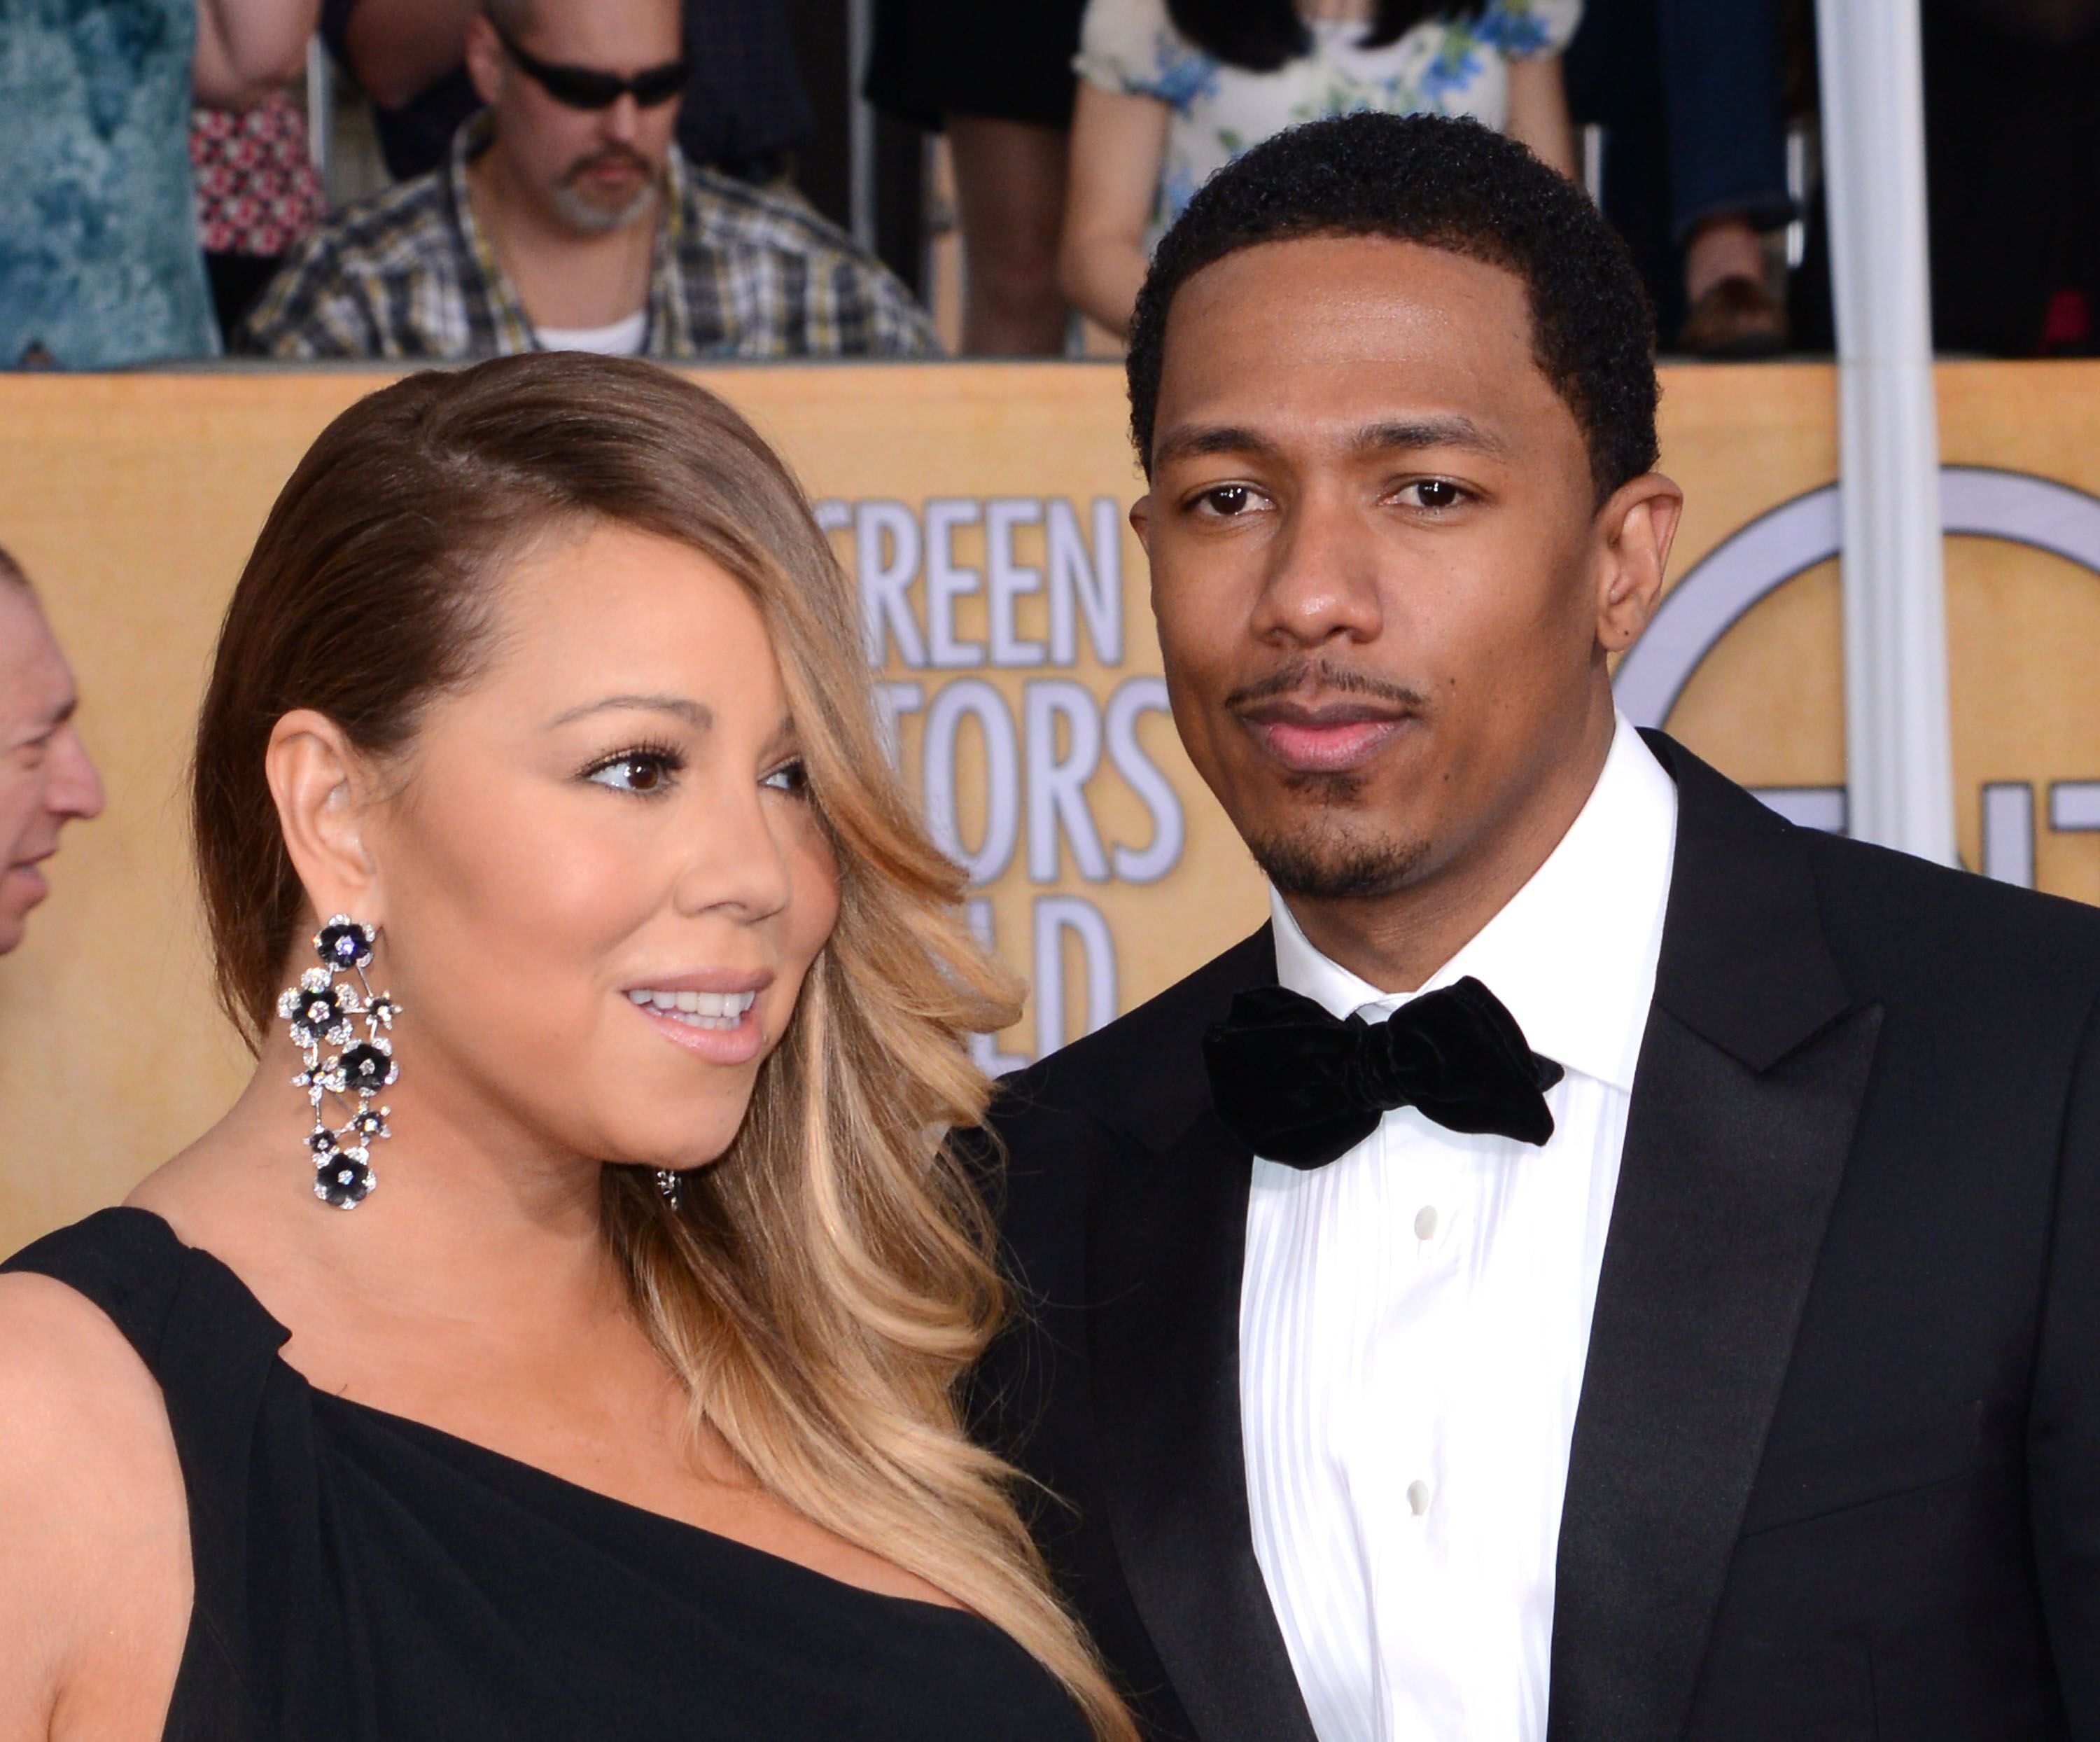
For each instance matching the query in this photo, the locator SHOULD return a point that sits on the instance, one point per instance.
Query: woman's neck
(467, 1224)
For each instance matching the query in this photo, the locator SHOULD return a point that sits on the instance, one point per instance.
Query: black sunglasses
(588, 88)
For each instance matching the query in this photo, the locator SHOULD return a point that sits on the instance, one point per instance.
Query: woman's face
(600, 880)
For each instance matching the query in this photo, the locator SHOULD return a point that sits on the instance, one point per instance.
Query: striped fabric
(739, 272)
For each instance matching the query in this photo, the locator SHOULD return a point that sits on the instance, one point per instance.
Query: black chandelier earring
(324, 1010)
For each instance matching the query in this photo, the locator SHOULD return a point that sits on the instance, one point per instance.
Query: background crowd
(671, 178)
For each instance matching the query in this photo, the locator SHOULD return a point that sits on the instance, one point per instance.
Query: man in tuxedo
(1602, 1264)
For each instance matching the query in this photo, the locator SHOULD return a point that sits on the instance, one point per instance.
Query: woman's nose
(738, 863)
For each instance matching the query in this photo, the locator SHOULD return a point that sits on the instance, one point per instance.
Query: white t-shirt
(622, 338)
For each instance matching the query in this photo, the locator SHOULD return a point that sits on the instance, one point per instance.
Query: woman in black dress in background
(570, 1350)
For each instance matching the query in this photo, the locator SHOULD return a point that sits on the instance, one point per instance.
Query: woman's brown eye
(638, 772)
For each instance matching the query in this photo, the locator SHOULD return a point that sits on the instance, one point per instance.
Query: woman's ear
(324, 793)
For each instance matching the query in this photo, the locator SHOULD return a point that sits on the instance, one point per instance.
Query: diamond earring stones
(323, 1011)
(672, 1184)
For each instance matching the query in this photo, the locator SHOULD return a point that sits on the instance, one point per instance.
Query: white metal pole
(1898, 760)
(320, 112)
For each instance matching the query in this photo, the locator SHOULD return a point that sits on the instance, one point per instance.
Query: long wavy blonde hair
(828, 1282)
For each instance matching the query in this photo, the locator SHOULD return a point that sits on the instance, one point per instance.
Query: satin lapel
(1748, 1091)
(1724, 1191)
(1166, 1242)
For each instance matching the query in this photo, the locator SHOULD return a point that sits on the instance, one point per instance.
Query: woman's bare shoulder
(65, 1368)
(95, 1586)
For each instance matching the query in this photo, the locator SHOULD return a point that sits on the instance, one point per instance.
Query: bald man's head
(46, 779)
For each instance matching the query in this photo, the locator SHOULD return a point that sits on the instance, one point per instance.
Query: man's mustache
(1322, 676)
(606, 159)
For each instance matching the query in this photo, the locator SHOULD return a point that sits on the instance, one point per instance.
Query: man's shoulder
(332, 297)
(1142, 1075)
(1886, 911)
(720, 210)
(406, 217)
(1896, 927)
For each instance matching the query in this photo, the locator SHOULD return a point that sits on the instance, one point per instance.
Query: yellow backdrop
(982, 507)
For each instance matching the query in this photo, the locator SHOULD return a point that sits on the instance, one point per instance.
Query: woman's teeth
(697, 1010)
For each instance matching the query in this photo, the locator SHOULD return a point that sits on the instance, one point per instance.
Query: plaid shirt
(738, 272)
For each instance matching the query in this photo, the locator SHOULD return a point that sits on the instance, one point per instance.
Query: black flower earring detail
(323, 1011)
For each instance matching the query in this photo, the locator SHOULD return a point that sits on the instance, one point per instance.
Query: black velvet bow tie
(1296, 1085)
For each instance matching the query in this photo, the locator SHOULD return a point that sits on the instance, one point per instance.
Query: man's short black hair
(1445, 184)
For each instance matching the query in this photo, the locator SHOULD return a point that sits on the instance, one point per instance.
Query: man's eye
(1433, 492)
(1227, 499)
(647, 771)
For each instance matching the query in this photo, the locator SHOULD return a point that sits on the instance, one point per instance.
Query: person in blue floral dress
(1171, 90)
(99, 259)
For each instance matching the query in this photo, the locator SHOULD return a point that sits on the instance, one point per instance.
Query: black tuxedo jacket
(1836, 1469)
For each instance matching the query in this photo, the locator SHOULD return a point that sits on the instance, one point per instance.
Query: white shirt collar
(1573, 953)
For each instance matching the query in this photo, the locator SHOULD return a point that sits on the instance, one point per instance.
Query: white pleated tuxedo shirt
(1414, 1316)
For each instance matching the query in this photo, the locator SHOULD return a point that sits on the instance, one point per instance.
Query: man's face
(1384, 588)
(588, 170)
(45, 778)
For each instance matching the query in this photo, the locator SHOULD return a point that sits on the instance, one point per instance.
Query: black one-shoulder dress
(363, 1578)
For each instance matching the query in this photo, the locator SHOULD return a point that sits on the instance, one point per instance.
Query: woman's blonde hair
(827, 1284)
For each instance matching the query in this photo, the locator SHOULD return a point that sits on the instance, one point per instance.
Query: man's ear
(484, 59)
(324, 794)
(1632, 531)
(1140, 522)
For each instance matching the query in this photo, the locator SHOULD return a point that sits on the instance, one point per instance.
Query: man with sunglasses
(568, 219)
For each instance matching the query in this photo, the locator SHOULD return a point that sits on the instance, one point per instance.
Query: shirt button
(1425, 1222)
(1418, 1498)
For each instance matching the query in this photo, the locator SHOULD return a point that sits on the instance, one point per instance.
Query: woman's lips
(736, 1045)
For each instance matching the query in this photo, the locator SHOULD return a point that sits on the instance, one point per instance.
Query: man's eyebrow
(1190, 441)
(41, 728)
(1455, 431)
(695, 714)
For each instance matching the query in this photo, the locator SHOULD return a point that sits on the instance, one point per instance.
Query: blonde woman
(558, 1338)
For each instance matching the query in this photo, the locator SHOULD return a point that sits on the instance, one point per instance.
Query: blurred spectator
(1689, 95)
(744, 111)
(256, 195)
(999, 80)
(566, 219)
(1173, 90)
(2012, 125)
(99, 259)
(2012, 129)
(45, 778)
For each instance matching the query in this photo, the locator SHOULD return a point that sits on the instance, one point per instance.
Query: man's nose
(73, 787)
(621, 119)
(1323, 575)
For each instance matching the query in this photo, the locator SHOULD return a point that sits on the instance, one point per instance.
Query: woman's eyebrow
(697, 714)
